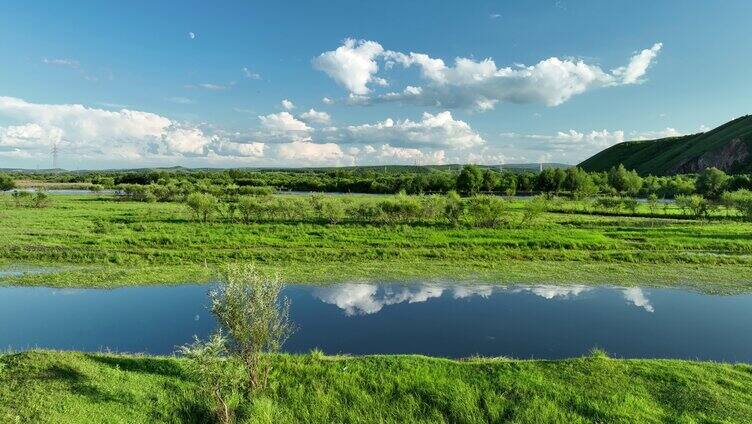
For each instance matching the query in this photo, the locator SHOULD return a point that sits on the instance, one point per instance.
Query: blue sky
(118, 84)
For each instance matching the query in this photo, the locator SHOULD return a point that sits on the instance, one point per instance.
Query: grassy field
(54, 387)
(95, 241)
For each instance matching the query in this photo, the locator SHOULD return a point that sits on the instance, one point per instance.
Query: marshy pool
(434, 319)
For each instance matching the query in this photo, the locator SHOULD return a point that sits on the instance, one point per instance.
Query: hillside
(727, 147)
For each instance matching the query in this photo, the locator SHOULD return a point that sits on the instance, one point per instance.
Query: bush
(741, 200)
(6, 183)
(612, 204)
(202, 205)
(453, 208)
(533, 209)
(400, 208)
(694, 204)
(487, 211)
(332, 211)
(219, 376)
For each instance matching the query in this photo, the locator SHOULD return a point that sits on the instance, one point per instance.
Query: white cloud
(440, 130)
(352, 65)
(70, 63)
(313, 116)
(250, 74)
(638, 65)
(473, 84)
(245, 150)
(637, 297)
(98, 134)
(287, 105)
(652, 135)
(191, 141)
(309, 152)
(285, 126)
(327, 101)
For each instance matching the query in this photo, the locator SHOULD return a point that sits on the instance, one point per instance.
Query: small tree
(246, 304)
(470, 180)
(711, 182)
(202, 205)
(653, 203)
(218, 375)
(696, 204)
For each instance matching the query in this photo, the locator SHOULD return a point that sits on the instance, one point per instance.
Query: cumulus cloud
(470, 83)
(287, 105)
(309, 152)
(572, 146)
(352, 65)
(97, 133)
(285, 126)
(313, 116)
(327, 101)
(439, 130)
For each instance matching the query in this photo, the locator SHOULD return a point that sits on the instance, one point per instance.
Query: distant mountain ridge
(728, 147)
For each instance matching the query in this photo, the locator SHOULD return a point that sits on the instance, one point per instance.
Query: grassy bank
(52, 387)
(94, 241)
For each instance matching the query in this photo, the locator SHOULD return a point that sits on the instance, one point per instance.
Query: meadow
(53, 387)
(97, 241)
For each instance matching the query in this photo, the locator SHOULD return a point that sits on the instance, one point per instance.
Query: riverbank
(51, 387)
(91, 241)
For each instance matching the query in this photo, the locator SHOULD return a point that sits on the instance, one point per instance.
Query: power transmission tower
(55, 152)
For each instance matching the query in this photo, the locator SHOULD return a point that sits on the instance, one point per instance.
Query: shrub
(332, 211)
(533, 209)
(247, 305)
(741, 200)
(612, 204)
(203, 205)
(400, 208)
(694, 204)
(487, 211)
(250, 209)
(219, 376)
(453, 208)
(6, 183)
(630, 204)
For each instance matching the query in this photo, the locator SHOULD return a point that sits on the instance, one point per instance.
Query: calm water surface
(432, 319)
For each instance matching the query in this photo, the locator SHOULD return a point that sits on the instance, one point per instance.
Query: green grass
(95, 242)
(55, 387)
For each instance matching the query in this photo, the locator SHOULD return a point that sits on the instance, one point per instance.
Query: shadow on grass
(142, 365)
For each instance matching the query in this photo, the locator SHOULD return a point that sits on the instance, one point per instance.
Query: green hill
(728, 147)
